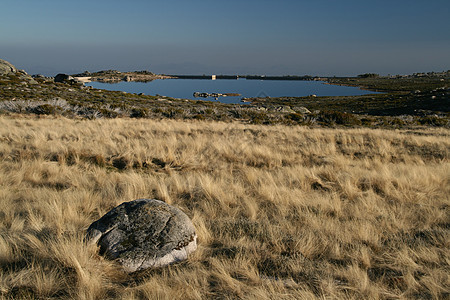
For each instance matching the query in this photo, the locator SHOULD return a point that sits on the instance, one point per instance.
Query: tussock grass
(281, 212)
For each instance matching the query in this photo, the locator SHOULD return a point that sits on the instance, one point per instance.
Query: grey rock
(301, 109)
(285, 109)
(144, 233)
(6, 67)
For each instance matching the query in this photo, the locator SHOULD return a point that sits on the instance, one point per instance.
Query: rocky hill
(6, 67)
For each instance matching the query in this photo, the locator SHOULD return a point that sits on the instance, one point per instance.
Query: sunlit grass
(281, 212)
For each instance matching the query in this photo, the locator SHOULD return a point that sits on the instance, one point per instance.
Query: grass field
(281, 212)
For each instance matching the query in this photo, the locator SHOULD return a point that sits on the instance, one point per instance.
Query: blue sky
(321, 37)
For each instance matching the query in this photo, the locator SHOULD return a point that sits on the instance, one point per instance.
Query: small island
(114, 76)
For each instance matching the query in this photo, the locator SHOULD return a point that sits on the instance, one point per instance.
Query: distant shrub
(199, 117)
(397, 122)
(174, 113)
(157, 110)
(259, 117)
(139, 113)
(337, 117)
(209, 111)
(44, 109)
(367, 121)
(433, 120)
(296, 117)
(107, 113)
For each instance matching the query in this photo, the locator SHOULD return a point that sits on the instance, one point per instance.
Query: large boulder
(63, 77)
(6, 67)
(144, 233)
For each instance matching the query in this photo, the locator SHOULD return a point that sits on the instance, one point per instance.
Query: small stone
(144, 233)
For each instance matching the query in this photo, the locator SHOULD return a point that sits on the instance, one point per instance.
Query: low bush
(259, 117)
(367, 121)
(139, 113)
(199, 117)
(337, 117)
(173, 113)
(396, 122)
(44, 109)
(296, 117)
(433, 121)
(107, 113)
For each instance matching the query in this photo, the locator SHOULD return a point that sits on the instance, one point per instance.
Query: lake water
(184, 88)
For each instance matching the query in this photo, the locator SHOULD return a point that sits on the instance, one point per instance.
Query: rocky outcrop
(63, 77)
(6, 67)
(144, 233)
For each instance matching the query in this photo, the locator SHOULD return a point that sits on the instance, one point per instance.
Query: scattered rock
(144, 233)
(301, 109)
(6, 67)
(285, 109)
(31, 80)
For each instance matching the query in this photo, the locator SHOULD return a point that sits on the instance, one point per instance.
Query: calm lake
(185, 88)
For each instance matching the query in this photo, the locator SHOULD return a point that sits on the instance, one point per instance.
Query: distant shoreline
(250, 77)
(113, 76)
(86, 79)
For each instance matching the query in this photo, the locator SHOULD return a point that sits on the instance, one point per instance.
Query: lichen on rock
(144, 233)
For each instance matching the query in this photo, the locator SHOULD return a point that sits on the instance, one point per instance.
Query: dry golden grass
(281, 212)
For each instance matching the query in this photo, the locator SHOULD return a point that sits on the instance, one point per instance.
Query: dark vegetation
(416, 100)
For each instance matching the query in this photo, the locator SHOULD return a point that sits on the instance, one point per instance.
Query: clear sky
(314, 37)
